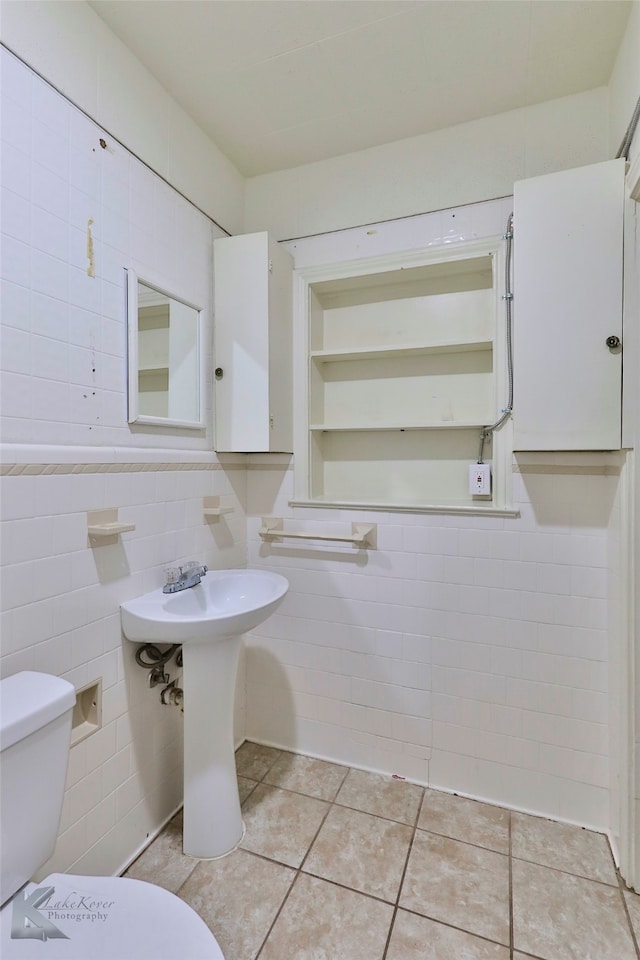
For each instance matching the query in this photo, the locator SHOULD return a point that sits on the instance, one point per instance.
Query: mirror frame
(133, 409)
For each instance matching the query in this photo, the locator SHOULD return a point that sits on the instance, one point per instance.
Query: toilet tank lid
(30, 700)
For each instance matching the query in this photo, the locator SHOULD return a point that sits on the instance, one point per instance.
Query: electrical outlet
(479, 479)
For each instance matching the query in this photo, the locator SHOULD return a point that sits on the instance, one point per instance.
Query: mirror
(165, 357)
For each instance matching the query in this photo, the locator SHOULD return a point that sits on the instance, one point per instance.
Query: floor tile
(360, 851)
(245, 787)
(633, 905)
(467, 820)
(321, 921)
(238, 897)
(417, 938)
(254, 760)
(459, 884)
(381, 796)
(281, 825)
(557, 916)
(315, 778)
(163, 862)
(563, 847)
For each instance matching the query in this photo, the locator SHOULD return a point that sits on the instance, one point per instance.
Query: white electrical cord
(508, 299)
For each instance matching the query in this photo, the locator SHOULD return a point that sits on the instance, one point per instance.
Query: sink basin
(224, 603)
(208, 620)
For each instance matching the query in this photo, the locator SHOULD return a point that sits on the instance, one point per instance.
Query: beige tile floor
(338, 864)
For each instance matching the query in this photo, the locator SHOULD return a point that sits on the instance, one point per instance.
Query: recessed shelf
(406, 350)
(405, 365)
(87, 711)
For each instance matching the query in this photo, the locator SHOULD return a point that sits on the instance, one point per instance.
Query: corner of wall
(74, 50)
(624, 83)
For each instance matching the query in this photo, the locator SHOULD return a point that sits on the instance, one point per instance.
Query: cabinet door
(252, 344)
(568, 231)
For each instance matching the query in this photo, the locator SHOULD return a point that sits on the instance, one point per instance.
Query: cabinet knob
(218, 373)
(613, 342)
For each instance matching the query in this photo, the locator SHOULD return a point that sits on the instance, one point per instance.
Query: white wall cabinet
(405, 359)
(568, 231)
(252, 345)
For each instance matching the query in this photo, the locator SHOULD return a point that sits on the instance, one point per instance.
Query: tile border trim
(58, 469)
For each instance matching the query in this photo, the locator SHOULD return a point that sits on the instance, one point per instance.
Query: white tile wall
(467, 653)
(64, 337)
(486, 675)
(61, 599)
(63, 384)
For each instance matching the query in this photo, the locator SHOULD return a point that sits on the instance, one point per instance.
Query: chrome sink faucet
(181, 578)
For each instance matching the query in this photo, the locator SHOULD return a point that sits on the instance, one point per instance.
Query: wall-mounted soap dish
(213, 509)
(105, 523)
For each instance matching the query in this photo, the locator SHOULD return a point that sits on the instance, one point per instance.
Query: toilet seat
(110, 918)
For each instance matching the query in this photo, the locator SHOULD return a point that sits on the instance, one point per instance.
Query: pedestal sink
(208, 620)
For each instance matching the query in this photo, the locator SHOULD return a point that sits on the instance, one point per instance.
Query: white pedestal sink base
(212, 818)
(208, 619)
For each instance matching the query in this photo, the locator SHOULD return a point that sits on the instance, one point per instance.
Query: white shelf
(461, 508)
(405, 366)
(365, 427)
(151, 371)
(404, 350)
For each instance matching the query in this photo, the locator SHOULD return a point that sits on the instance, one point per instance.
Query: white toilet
(88, 918)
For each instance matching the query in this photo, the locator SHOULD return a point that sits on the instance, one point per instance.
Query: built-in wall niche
(164, 357)
(405, 360)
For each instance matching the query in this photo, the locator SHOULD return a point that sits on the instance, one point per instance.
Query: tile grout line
(567, 873)
(396, 905)
(622, 887)
(330, 804)
(511, 930)
(278, 912)
(297, 873)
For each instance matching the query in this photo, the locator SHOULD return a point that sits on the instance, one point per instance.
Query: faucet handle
(193, 566)
(172, 574)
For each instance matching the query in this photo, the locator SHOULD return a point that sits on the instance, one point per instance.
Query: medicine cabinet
(253, 344)
(404, 361)
(568, 309)
(165, 376)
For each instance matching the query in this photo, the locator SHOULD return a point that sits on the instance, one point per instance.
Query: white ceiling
(278, 83)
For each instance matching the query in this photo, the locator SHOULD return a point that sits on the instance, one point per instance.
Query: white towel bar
(362, 534)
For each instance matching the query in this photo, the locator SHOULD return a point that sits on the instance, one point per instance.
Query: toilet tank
(35, 732)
